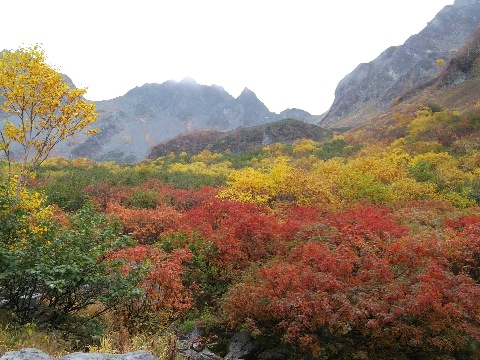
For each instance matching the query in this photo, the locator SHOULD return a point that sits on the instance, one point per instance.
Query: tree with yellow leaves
(40, 109)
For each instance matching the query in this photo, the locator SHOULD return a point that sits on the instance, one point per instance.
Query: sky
(292, 54)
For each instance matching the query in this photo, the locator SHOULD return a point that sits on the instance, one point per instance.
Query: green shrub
(51, 272)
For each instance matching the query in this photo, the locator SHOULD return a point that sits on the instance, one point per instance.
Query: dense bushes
(333, 250)
(351, 283)
(359, 286)
(54, 266)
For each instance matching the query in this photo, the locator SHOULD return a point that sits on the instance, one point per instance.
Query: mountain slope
(240, 140)
(371, 88)
(456, 88)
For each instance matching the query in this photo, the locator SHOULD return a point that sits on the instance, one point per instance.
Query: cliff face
(371, 88)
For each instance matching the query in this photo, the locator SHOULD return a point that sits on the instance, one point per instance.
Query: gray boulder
(192, 347)
(34, 354)
(242, 346)
(137, 355)
(26, 354)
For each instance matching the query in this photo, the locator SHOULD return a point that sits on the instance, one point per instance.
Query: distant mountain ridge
(147, 115)
(371, 88)
(132, 124)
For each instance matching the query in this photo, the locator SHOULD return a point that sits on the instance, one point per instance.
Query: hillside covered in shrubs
(352, 247)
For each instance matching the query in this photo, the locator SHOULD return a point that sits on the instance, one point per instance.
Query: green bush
(50, 273)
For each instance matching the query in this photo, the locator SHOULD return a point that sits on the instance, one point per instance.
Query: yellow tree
(40, 109)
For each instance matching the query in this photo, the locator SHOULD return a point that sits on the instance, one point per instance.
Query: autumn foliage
(348, 249)
(355, 282)
(362, 289)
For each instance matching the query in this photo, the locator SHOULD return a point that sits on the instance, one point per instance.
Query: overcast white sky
(292, 54)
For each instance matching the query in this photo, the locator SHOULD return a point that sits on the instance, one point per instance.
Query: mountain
(130, 124)
(457, 88)
(371, 88)
(241, 140)
(147, 115)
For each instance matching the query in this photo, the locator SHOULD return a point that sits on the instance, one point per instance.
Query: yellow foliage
(206, 156)
(379, 175)
(56, 161)
(111, 166)
(408, 189)
(92, 131)
(433, 158)
(385, 167)
(459, 200)
(249, 185)
(421, 122)
(33, 203)
(42, 109)
(452, 177)
(304, 146)
(217, 169)
(440, 62)
(399, 144)
(195, 167)
(83, 163)
(470, 162)
(420, 147)
(275, 150)
(352, 184)
(302, 187)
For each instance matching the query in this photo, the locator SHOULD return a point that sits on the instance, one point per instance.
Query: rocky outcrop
(370, 88)
(137, 355)
(26, 354)
(463, 66)
(34, 354)
(191, 346)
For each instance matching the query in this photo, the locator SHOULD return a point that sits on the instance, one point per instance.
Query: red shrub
(145, 225)
(463, 246)
(163, 284)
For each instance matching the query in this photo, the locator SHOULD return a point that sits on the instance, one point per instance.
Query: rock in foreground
(34, 354)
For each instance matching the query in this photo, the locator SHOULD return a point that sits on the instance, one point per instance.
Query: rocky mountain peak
(247, 96)
(246, 92)
(146, 115)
